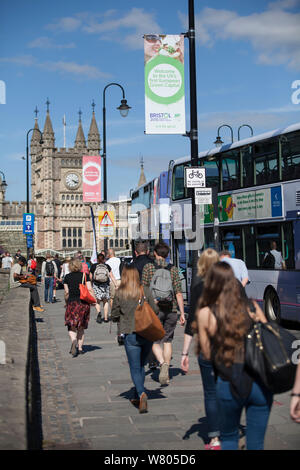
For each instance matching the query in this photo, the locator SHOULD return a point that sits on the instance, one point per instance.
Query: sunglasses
(152, 38)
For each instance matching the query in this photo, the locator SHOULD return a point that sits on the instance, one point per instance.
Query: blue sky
(248, 56)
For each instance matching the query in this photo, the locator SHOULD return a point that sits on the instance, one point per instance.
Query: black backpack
(49, 268)
(269, 261)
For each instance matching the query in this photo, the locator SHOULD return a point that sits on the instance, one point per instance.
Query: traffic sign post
(194, 177)
(106, 223)
(203, 196)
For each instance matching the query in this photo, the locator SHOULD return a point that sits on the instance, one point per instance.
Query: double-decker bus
(258, 202)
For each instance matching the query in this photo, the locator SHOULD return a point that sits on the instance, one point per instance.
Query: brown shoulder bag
(147, 323)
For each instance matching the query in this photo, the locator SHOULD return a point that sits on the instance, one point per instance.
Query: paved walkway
(85, 400)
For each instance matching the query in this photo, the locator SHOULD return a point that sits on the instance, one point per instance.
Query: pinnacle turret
(80, 139)
(142, 179)
(48, 134)
(94, 136)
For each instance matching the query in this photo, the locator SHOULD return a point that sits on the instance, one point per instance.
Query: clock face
(72, 180)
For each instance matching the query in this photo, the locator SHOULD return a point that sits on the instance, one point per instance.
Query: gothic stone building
(62, 220)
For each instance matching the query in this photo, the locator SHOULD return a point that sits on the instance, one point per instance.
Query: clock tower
(63, 220)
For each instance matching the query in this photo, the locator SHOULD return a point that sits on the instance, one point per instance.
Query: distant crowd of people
(220, 316)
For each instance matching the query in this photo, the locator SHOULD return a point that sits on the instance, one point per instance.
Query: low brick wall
(19, 385)
(4, 282)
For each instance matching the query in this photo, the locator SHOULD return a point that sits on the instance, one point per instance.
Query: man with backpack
(49, 273)
(165, 285)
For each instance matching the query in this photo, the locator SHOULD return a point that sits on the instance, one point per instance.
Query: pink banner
(91, 177)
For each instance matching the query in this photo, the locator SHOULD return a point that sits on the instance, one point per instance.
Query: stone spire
(80, 139)
(142, 179)
(48, 134)
(35, 146)
(94, 136)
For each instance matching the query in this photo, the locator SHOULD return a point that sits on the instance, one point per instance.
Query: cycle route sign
(194, 177)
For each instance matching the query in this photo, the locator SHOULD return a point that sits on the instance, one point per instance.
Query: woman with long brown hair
(137, 348)
(207, 258)
(224, 318)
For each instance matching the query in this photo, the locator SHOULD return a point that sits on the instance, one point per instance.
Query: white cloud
(66, 24)
(264, 119)
(77, 70)
(47, 43)
(273, 33)
(132, 25)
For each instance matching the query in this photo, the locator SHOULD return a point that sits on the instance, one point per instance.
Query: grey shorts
(169, 322)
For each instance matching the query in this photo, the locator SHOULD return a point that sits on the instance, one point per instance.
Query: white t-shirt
(7, 262)
(278, 259)
(114, 263)
(16, 269)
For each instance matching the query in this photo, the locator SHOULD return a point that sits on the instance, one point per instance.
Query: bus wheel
(272, 305)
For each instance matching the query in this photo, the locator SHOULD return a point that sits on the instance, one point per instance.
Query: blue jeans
(258, 406)
(137, 350)
(210, 396)
(49, 282)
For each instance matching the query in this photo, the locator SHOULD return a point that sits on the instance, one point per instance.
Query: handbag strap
(83, 278)
(142, 297)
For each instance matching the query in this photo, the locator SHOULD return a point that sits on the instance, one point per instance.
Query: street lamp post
(3, 182)
(27, 172)
(124, 109)
(244, 125)
(219, 142)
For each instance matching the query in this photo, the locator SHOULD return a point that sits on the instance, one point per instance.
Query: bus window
(178, 182)
(211, 172)
(209, 238)
(231, 240)
(231, 170)
(247, 159)
(249, 244)
(265, 234)
(289, 148)
(288, 245)
(266, 162)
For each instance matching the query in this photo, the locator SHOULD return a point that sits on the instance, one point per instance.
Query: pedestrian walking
(295, 400)
(141, 251)
(7, 261)
(58, 279)
(17, 275)
(32, 264)
(65, 268)
(137, 348)
(165, 285)
(224, 318)
(101, 275)
(77, 313)
(114, 264)
(142, 258)
(49, 273)
(205, 261)
(239, 267)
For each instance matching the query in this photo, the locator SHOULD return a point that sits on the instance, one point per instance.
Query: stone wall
(20, 426)
(12, 241)
(4, 283)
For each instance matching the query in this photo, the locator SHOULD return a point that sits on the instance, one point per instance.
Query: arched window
(111, 243)
(64, 243)
(121, 243)
(64, 232)
(116, 243)
(69, 232)
(79, 243)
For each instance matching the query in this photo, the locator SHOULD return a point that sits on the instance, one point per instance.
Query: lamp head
(218, 142)
(124, 108)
